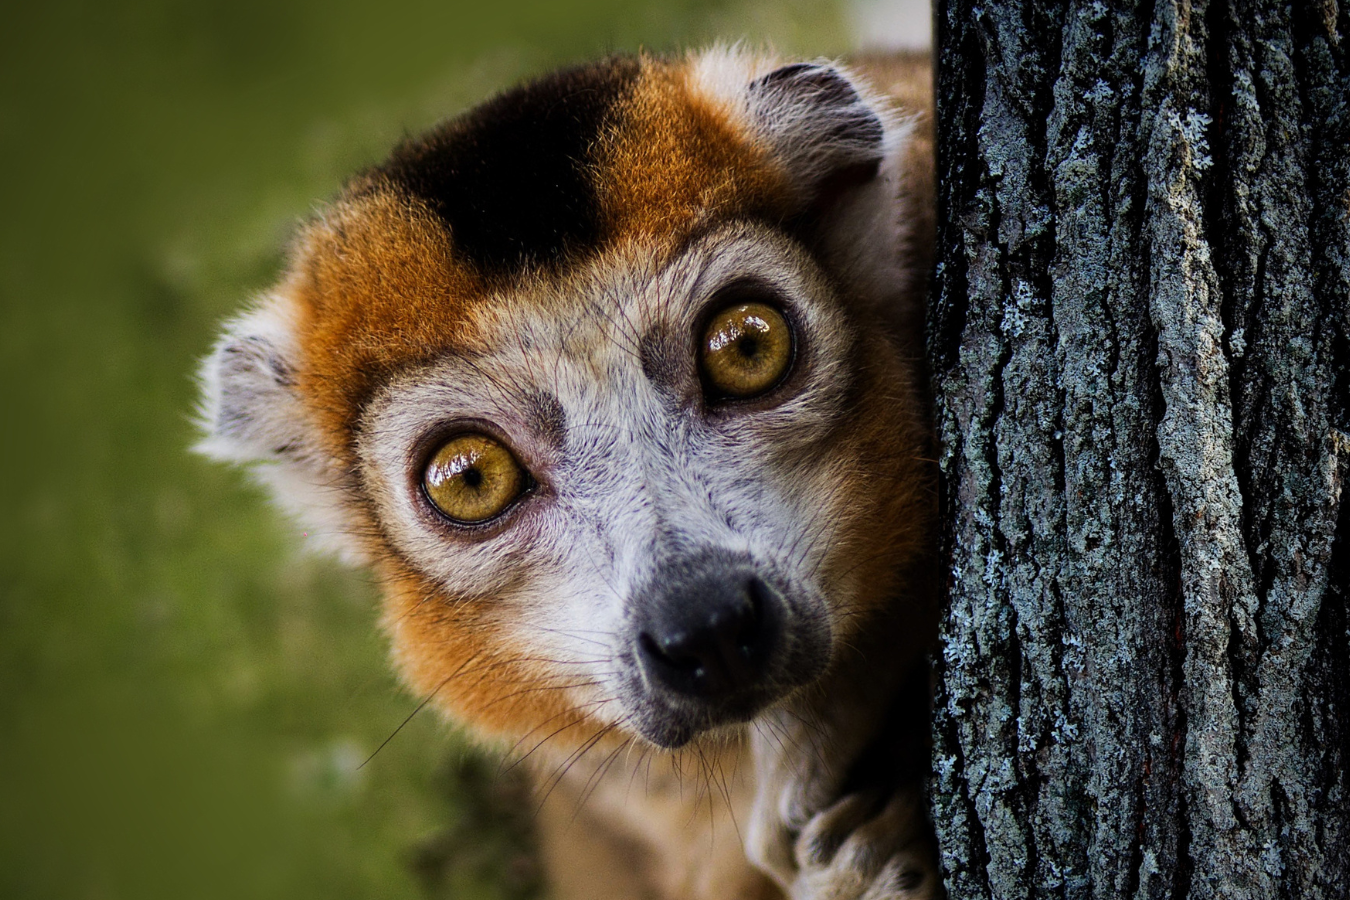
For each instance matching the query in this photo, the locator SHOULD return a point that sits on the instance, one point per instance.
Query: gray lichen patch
(1141, 364)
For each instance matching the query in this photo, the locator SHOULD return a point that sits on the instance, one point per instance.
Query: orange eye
(472, 478)
(746, 350)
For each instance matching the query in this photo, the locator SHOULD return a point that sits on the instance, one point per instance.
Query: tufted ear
(851, 158)
(251, 413)
(819, 126)
(249, 408)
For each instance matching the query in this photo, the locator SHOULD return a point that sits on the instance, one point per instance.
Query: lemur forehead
(550, 172)
(513, 179)
(524, 191)
(589, 334)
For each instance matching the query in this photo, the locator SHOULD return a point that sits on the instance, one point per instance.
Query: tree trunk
(1142, 387)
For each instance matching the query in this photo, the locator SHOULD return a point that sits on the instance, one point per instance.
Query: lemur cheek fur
(612, 380)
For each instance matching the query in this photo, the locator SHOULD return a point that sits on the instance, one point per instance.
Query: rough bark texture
(1142, 380)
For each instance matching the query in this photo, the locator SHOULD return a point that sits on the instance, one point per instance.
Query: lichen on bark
(1141, 372)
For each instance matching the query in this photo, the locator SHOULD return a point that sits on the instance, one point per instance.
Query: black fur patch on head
(511, 178)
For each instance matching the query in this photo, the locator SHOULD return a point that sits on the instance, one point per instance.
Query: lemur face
(600, 378)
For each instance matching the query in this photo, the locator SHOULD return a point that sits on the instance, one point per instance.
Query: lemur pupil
(473, 478)
(749, 347)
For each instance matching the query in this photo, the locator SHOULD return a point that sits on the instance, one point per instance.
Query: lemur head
(605, 379)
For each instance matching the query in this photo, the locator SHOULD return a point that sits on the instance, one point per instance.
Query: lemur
(614, 382)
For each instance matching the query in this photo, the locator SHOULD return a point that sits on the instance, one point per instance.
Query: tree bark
(1139, 340)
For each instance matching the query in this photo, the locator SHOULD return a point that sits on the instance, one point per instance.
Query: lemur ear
(845, 149)
(249, 408)
(251, 412)
(819, 125)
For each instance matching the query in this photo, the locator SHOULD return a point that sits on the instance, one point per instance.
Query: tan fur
(669, 829)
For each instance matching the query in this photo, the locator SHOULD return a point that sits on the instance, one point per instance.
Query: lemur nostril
(671, 651)
(709, 638)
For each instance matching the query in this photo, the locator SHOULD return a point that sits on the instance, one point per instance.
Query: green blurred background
(185, 695)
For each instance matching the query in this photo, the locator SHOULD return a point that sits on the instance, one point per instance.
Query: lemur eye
(746, 350)
(472, 478)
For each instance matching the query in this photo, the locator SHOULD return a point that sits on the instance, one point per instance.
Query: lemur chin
(614, 382)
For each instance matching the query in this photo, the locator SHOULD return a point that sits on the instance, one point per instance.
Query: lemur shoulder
(614, 382)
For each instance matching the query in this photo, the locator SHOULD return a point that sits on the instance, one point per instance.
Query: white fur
(794, 129)
(639, 469)
(251, 415)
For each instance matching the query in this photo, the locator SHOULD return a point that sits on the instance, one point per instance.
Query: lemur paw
(867, 848)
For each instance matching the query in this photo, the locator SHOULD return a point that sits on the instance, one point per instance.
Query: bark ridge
(1139, 340)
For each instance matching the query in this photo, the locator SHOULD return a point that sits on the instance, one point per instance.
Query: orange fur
(448, 648)
(378, 290)
(675, 162)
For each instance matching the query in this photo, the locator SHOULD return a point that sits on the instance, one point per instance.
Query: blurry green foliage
(185, 696)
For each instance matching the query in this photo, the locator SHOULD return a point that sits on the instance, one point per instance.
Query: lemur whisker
(644, 756)
(703, 787)
(429, 697)
(598, 776)
(565, 767)
(778, 734)
(508, 753)
(571, 632)
(731, 805)
(538, 689)
(575, 722)
(814, 727)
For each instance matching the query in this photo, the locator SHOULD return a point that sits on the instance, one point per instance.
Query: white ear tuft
(845, 148)
(249, 409)
(251, 414)
(816, 121)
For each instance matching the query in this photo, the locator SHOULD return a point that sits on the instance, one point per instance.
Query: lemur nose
(710, 636)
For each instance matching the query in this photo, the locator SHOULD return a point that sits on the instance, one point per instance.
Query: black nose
(709, 631)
